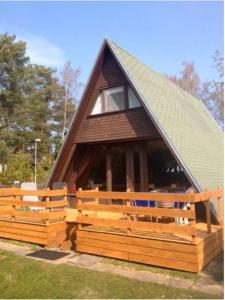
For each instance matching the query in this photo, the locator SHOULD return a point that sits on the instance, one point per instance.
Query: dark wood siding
(109, 75)
(128, 124)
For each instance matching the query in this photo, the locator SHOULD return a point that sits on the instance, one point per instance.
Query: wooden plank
(149, 251)
(206, 259)
(212, 239)
(220, 210)
(161, 262)
(143, 168)
(23, 226)
(131, 123)
(24, 238)
(129, 169)
(43, 193)
(62, 225)
(21, 203)
(18, 231)
(208, 216)
(193, 222)
(108, 171)
(187, 266)
(138, 210)
(137, 196)
(158, 227)
(102, 252)
(56, 215)
(17, 213)
(34, 215)
(139, 241)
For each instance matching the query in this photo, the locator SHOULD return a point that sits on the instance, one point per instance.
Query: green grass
(21, 277)
(136, 266)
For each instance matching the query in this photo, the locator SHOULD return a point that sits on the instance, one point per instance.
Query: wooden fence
(46, 210)
(92, 204)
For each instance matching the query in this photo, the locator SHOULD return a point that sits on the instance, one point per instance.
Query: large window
(114, 99)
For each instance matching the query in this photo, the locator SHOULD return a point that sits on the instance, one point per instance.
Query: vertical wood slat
(129, 169)
(66, 199)
(208, 216)
(219, 208)
(96, 200)
(79, 212)
(47, 209)
(143, 168)
(108, 171)
(193, 223)
(17, 197)
(128, 215)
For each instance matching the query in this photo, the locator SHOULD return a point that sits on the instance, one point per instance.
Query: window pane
(114, 99)
(98, 108)
(132, 99)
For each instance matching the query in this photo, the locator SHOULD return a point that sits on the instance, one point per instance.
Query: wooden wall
(115, 126)
(129, 124)
(119, 126)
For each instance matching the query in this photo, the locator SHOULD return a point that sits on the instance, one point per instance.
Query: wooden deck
(133, 237)
(164, 250)
(104, 226)
(41, 222)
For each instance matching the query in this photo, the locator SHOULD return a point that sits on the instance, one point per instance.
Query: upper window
(113, 99)
(132, 99)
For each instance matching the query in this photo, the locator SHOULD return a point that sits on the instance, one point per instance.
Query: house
(134, 132)
(135, 129)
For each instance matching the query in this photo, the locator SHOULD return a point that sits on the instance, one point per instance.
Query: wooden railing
(92, 204)
(46, 210)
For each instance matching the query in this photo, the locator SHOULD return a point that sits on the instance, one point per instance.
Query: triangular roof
(183, 120)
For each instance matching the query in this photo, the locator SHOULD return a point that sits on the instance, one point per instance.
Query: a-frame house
(136, 129)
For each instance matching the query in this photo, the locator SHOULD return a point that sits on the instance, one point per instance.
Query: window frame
(103, 91)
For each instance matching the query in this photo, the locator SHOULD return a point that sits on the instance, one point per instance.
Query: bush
(19, 168)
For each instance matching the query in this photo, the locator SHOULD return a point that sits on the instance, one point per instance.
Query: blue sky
(161, 34)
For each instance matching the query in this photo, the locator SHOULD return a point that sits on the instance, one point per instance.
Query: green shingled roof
(184, 121)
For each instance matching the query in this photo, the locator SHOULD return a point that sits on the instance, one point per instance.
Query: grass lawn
(21, 277)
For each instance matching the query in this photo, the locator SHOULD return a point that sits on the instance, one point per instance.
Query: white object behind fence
(30, 186)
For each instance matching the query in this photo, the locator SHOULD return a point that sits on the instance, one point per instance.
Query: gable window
(132, 99)
(114, 99)
(99, 105)
(110, 100)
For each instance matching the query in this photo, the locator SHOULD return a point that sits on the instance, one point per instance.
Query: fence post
(128, 215)
(79, 226)
(66, 200)
(219, 208)
(208, 216)
(193, 222)
(47, 209)
(96, 200)
(16, 197)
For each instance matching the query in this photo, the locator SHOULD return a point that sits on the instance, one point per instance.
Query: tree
(210, 92)
(34, 103)
(13, 62)
(213, 91)
(19, 168)
(189, 79)
(70, 81)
